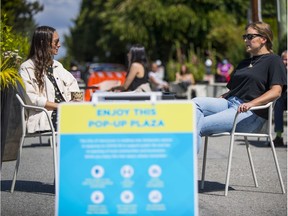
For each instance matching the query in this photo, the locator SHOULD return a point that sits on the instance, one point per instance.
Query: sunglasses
(56, 42)
(250, 36)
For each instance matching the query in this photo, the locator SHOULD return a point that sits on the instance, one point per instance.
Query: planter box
(11, 128)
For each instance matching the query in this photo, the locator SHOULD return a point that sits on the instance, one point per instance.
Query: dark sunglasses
(250, 36)
(56, 42)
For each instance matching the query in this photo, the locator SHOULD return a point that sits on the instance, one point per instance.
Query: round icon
(97, 197)
(127, 197)
(97, 171)
(127, 171)
(155, 196)
(155, 171)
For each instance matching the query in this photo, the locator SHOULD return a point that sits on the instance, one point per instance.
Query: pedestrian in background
(156, 83)
(224, 70)
(280, 106)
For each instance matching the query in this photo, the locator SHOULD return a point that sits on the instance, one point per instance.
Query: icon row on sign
(127, 171)
(127, 197)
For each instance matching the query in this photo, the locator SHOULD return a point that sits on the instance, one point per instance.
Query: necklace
(251, 62)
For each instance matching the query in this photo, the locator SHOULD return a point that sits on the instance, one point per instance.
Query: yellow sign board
(126, 117)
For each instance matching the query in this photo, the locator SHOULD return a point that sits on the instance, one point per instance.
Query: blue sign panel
(139, 173)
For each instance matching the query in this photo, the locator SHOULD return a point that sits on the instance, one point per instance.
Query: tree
(105, 29)
(20, 14)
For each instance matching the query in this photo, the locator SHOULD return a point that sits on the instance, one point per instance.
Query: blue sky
(58, 14)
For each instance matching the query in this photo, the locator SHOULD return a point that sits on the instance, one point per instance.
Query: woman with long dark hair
(47, 82)
(137, 77)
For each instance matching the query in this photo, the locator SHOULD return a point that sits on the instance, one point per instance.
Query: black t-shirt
(248, 83)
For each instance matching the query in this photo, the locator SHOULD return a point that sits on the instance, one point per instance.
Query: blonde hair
(263, 29)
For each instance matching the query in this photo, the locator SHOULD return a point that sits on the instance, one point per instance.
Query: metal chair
(265, 132)
(51, 133)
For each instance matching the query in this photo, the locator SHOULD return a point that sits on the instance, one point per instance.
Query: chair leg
(204, 162)
(276, 163)
(53, 143)
(50, 141)
(17, 164)
(251, 162)
(229, 164)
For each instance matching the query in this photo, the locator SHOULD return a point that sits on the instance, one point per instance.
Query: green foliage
(105, 29)
(13, 46)
(20, 14)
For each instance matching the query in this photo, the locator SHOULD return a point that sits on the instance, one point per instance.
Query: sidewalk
(34, 191)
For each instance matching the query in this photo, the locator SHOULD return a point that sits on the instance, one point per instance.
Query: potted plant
(12, 44)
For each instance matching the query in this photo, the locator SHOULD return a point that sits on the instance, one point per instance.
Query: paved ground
(34, 192)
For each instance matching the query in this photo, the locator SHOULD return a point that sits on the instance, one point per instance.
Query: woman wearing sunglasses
(47, 82)
(255, 81)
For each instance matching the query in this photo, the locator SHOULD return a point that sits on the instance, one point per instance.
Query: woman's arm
(218, 71)
(231, 69)
(271, 95)
(224, 95)
(192, 79)
(178, 77)
(51, 105)
(136, 69)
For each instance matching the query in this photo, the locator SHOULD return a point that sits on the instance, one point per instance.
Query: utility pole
(256, 10)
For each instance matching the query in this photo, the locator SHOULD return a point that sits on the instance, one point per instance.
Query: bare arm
(271, 95)
(231, 69)
(178, 77)
(136, 69)
(219, 72)
(224, 95)
(192, 79)
(154, 80)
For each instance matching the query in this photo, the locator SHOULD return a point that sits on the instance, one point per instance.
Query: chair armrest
(251, 109)
(31, 107)
(35, 108)
(262, 106)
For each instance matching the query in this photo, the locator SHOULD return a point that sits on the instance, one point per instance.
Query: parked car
(103, 76)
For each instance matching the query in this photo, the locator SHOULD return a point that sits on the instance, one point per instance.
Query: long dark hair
(138, 54)
(40, 52)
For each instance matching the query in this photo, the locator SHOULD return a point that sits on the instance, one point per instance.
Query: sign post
(127, 158)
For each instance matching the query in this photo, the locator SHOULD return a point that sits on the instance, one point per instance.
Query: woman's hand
(117, 89)
(244, 107)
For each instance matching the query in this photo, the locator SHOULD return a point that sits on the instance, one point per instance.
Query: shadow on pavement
(210, 186)
(33, 145)
(28, 186)
(260, 144)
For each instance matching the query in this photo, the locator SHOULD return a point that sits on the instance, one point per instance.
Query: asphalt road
(34, 191)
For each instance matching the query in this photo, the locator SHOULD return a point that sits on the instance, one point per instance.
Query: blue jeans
(216, 115)
(280, 106)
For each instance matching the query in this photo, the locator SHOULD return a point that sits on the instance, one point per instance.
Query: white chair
(52, 134)
(180, 93)
(265, 132)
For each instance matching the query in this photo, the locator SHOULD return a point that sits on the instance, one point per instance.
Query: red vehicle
(103, 76)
